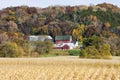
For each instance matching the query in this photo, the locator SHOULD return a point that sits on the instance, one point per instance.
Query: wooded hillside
(82, 22)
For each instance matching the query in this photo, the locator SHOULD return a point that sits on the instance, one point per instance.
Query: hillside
(102, 20)
(57, 20)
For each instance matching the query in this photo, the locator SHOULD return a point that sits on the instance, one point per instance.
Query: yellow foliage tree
(10, 49)
(45, 29)
(107, 24)
(16, 34)
(94, 18)
(77, 33)
(11, 12)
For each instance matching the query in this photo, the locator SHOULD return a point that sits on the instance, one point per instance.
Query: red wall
(66, 47)
(65, 41)
(62, 48)
(57, 47)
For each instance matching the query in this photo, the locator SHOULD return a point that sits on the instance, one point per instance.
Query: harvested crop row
(57, 69)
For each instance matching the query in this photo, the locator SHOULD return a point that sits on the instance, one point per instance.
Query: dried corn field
(59, 68)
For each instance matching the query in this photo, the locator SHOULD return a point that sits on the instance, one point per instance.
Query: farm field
(59, 68)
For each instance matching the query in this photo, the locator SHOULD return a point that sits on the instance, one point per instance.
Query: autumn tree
(92, 41)
(12, 26)
(93, 52)
(107, 25)
(43, 47)
(78, 32)
(3, 37)
(10, 49)
(95, 47)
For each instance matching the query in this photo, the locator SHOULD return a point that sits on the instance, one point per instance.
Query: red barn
(63, 39)
(66, 47)
(63, 46)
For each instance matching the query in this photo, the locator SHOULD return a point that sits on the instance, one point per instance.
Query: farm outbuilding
(40, 38)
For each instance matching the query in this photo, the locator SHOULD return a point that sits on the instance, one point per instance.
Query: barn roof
(63, 37)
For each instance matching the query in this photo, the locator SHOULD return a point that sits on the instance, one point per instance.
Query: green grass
(74, 52)
(59, 52)
(55, 53)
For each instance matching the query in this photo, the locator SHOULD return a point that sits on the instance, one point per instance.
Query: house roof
(33, 38)
(63, 37)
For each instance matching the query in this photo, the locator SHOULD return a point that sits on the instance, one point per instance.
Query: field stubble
(59, 68)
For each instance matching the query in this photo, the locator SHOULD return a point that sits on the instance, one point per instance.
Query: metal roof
(63, 37)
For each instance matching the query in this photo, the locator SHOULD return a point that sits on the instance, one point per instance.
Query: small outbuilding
(40, 38)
